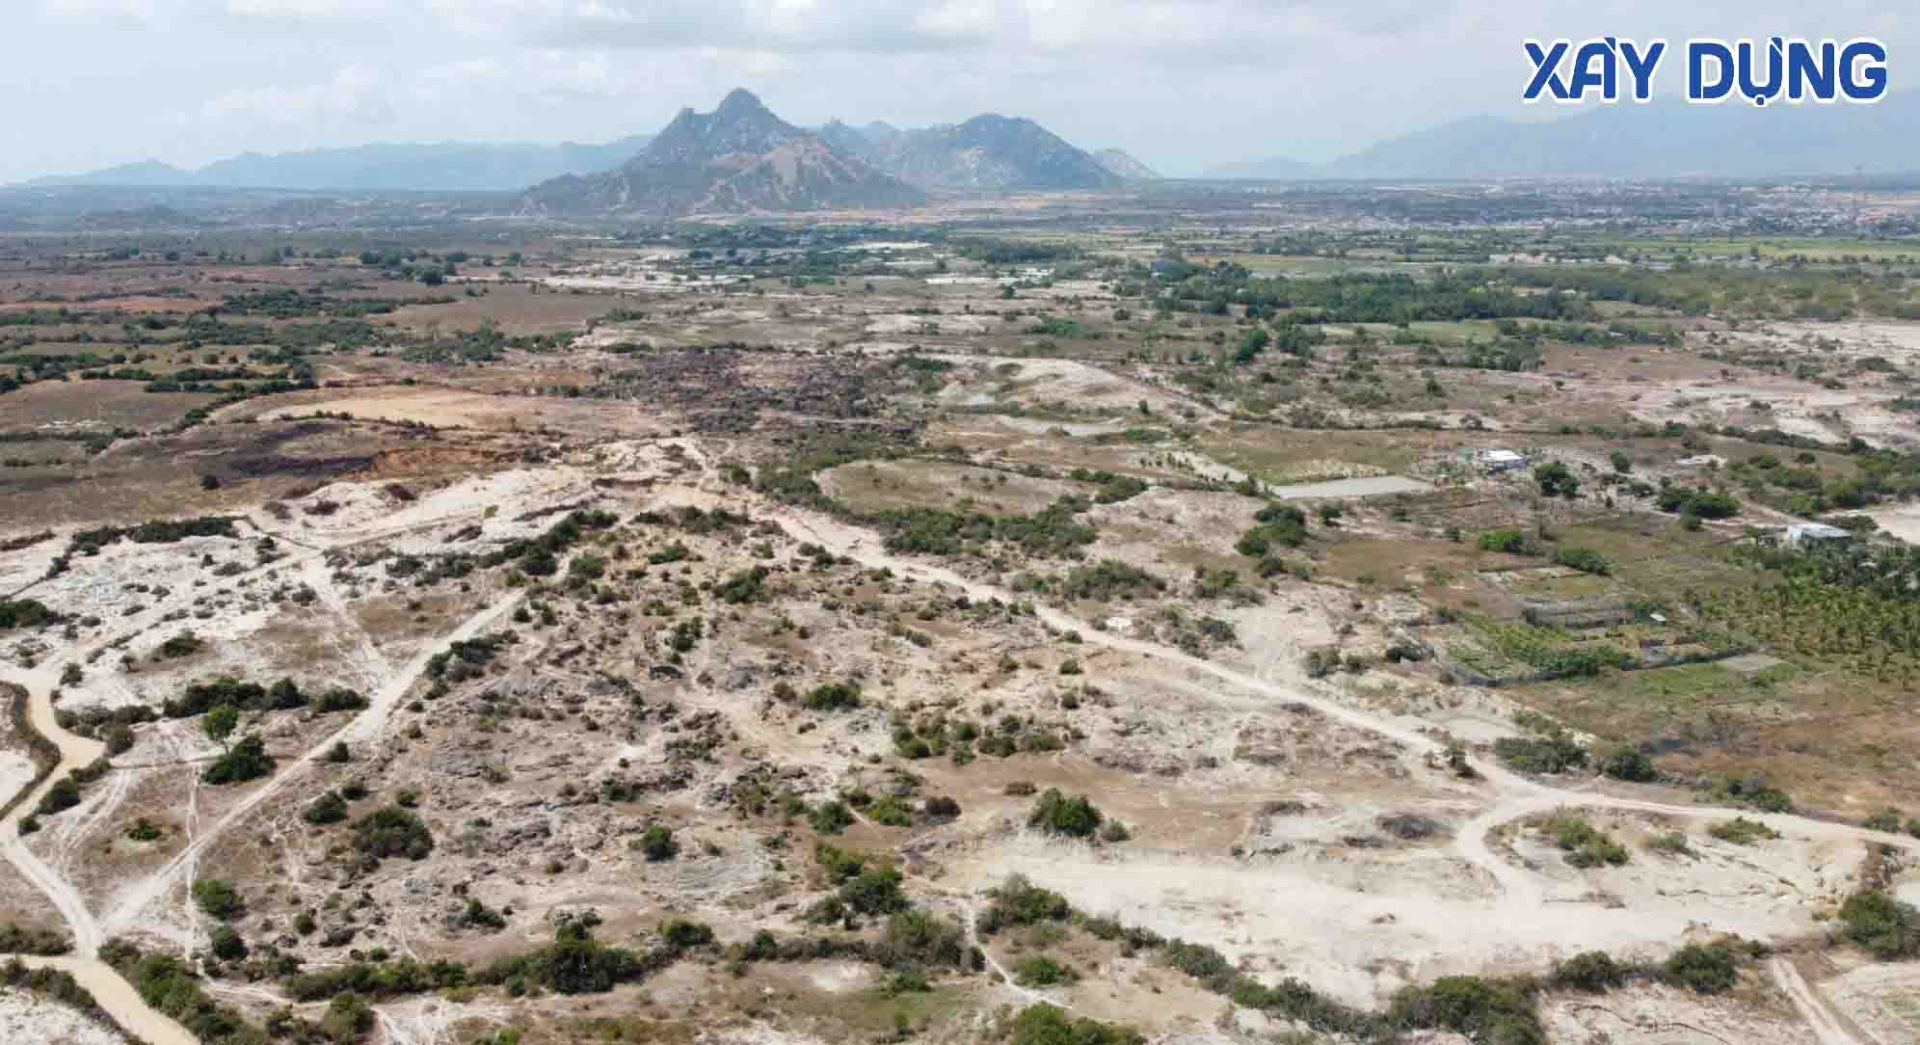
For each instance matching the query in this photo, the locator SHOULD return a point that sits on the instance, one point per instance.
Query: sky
(1181, 84)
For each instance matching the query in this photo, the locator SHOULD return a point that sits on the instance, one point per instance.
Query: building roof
(1501, 456)
(1816, 531)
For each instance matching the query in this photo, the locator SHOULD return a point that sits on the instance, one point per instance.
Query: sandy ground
(1356, 920)
(1041, 380)
(1377, 487)
(1902, 521)
(1665, 1016)
(1358, 924)
(1882, 1001)
(25, 1018)
(16, 769)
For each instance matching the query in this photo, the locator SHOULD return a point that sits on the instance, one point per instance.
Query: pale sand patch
(25, 1018)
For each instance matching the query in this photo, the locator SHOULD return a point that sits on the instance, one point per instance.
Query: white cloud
(92, 10)
(354, 96)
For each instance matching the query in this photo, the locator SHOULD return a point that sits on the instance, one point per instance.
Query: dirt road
(1811, 1006)
(1513, 796)
(119, 999)
(363, 727)
(113, 993)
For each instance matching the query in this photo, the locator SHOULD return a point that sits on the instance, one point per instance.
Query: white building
(1501, 461)
(1815, 533)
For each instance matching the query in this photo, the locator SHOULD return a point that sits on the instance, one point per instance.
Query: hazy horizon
(1183, 85)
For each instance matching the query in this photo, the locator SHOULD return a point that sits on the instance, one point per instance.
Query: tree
(1557, 480)
(1055, 813)
(247, 760)
(217, 898)
(658, 843)
(220, 723)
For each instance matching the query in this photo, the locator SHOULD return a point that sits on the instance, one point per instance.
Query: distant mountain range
(775, 166)
(444, 167)
(989, 152)
(1120, 162)
(1661, 140)
(739, 158)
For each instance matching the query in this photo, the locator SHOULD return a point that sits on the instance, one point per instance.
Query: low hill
(990, 151)
(1120, 162)
(384, 167)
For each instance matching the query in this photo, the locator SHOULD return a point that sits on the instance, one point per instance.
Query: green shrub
(658, 843)
(1508, 541)
(1593, 971)
(889, 811)
(830, 817)
(1887, 820)
(217, 898)
(1584, 844)
(1586, 560)
(1019, 902)
(329, 808)
(575, 963)
(833, 696)
(1109, 580)
(169, 985)
(1491, 1011)
(347, 1019)
(143, 830)
(1629, 764)
(1260, 540)
(226, 944)
(1556, 752)
(1055, 813)
(680, 935)
(340, 698)
(246, 760)
(26, 613)
(1741, 831)
(44, 942)
(1556, 480)
(1674, 842)
(183, 644)
(1885, 927)
(1038, 970)
(1199, 961)
(392, 831)
(478, 915)
(916, 936)
(874, 891)
(1044, 1024)
(1701, 968)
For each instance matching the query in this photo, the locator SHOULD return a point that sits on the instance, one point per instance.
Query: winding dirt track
(114, 993)
(1516, 796)
(1811, 1006)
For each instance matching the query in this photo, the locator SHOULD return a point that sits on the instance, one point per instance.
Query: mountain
(1667, 139)
(989, 151)
(147, 174)
(739, 158)
(1119, 162)
(444, 167)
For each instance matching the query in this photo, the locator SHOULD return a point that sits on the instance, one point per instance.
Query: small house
(1496, 461)
(1802, 535)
